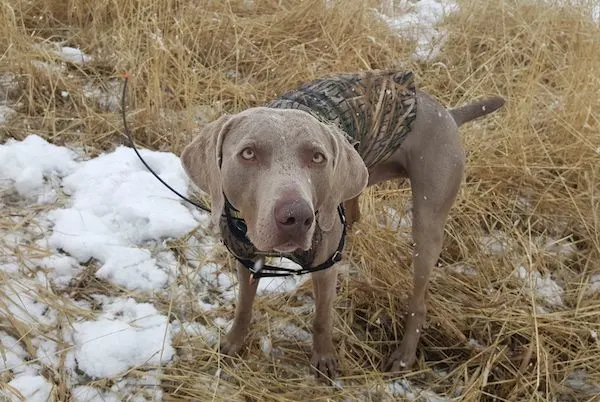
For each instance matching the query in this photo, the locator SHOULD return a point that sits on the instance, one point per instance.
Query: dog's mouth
(289, 247)
(281, 244)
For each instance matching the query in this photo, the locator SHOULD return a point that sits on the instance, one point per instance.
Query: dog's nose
(293, 217)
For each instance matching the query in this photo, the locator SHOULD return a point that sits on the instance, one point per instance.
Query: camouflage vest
(375, 109)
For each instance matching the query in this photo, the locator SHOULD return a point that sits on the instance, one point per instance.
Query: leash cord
(128, 134)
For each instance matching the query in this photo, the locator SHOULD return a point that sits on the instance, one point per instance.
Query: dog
(286, 167)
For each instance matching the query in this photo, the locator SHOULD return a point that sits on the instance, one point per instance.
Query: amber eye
(318, 158)
(248, 154)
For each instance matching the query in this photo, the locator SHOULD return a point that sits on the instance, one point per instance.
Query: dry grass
(533, 174)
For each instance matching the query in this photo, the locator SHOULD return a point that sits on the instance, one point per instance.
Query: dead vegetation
(529, 204)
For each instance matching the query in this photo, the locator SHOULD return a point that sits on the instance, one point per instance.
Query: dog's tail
(476, 109)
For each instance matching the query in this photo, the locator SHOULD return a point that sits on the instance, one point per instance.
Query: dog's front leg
(324, 362)
(234, 340)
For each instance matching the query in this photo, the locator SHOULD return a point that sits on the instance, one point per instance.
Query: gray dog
(286, 168)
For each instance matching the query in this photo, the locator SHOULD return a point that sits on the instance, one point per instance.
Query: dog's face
(282, 169)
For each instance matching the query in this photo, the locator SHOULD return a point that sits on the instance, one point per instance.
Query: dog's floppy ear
(201, 162)
(348, 177)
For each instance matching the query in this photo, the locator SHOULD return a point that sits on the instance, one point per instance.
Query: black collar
(238, 228)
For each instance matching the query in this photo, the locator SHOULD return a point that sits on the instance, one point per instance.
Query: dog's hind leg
(435, 182)
(352, 210)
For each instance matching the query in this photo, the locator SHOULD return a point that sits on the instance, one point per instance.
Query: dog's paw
(401, 360)
(231, 345)
(324, 365)
(406, 355)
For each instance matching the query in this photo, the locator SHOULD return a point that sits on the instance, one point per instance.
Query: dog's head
(281, 169)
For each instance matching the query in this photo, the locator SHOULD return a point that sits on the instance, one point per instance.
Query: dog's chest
(375, 109)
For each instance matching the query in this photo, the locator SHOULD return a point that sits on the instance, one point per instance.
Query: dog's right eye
(248, 154)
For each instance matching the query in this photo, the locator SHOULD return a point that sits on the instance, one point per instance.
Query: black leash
(258, 270)
(128, 134)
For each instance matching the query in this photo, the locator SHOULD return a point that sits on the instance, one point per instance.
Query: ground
(112, 288)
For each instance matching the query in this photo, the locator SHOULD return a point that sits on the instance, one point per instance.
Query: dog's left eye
(248, 154)
(318, 157)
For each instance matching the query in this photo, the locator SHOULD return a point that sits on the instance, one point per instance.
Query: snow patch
(266, 346)
(86, 393)
(66, 53)
(13, 356)
(211, 273)
(26, 164)
(393, 220)
(195, 329)
(496, 243)
(62, 268)
(127, 334)
(73, 55)
(544, 288)
(23, 302)
(463, 269)
(117, 204)
(106, 99)
(284, 284)
(405, 389)
(289, 331)
(561, 248)
(33, 388)
(418, 21)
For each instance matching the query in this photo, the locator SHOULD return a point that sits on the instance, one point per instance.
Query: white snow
(561, 248)
(86, 393)
(394, 221)
(106, 99)
(405, 389)
(116, 206)
(496, 243)
(61, 268)
(33, 388)
(195, 329)
(463, 269)
(21, 299)
(544, 288)
(127, 334)
(266, 346)
(287, 331)
(73, 55)
(281, 284)
(30, 163)
(418, 21)
(12, 356)
(112, 210)
(48, 68)
(216, 276)
(142, 389)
